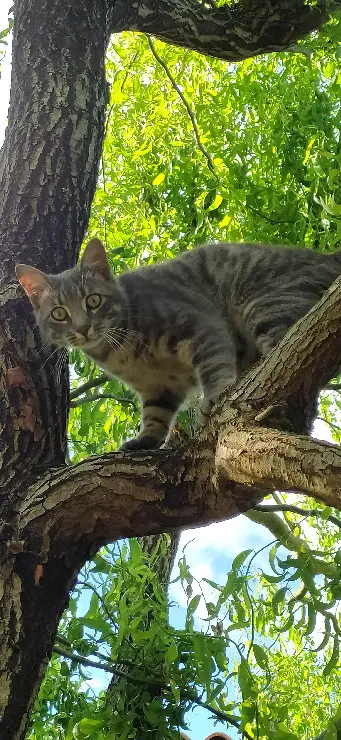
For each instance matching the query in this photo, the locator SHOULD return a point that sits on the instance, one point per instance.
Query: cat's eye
(59, 313)
(93, 301)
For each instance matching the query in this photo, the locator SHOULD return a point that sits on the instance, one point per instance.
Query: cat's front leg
(158, 412)
(216, 361)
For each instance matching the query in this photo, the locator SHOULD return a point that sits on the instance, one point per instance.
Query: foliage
(197, 149)
(4, 34)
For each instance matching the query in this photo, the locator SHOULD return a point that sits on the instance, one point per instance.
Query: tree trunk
(52, 518)
(48, 170)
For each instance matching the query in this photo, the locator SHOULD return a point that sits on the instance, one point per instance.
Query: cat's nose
(82, 332)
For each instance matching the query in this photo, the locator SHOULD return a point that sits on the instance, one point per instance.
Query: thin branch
(98, 654)
(217, 713)
(92, 383)
(99, 396)
(143, 682)
(279, 528)
(298, 510)
(106, 667)
(333, 387)
(333, 426)
(189, 110)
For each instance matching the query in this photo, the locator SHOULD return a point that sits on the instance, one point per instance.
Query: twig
(98, 396)
(98, 654)
(191, 114)
(296, 510)
(106, 667)
(269, 219)
(331, 424)
(217, 713)
(93, 383)
(333, 387)
(139, 681)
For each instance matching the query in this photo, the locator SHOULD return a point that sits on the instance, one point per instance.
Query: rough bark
(48, 169)
(232, 32)
(52, 518)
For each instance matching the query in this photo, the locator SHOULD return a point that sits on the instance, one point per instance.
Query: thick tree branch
(231, 465)
(117, 495)
(235, 32)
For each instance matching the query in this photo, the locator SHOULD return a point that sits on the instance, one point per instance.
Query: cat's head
(75, 308)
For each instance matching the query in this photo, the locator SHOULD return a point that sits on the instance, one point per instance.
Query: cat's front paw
(145, 442)
(204, 411)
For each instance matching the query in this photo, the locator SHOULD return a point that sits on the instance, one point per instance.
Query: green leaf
(171, 654)
(159, 178)
(334, 658)
(88, 727)
(203, 658)
(329, 205)
(135, 550)
(240, 559)
(216, 203)
(245, 680)
(260, 656)
(278, 598)
(312, 615)
(193, 605)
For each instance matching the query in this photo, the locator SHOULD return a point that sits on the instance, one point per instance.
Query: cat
(192, 324)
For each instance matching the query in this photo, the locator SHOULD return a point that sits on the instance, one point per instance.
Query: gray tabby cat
(194, 323)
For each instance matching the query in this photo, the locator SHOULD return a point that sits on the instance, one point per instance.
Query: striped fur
(192, 324)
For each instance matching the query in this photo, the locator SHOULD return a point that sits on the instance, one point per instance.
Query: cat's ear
(33, 281)
(94, 256)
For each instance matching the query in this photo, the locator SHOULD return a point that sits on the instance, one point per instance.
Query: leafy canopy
(197, 149)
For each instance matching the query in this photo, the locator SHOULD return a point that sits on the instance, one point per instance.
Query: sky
(209, 550)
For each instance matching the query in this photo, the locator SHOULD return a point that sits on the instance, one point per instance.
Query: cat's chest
(155, 362)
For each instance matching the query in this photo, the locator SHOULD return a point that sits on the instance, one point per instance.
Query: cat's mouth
(85, 342)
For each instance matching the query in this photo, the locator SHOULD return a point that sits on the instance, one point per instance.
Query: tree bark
(232, 32)
(52, 518)
(48, 170)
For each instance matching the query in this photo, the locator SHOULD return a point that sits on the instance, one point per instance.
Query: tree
(54, 517)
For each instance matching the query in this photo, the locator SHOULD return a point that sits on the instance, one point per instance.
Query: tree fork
(53, 518)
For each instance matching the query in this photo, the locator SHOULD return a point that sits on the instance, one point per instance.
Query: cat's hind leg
(272, 316)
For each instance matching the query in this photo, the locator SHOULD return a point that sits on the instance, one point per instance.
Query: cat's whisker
(115, 344)
(121, 340)
(45, 344)
(62, 359)
(138, 346)
(128, 332)
(50, 357)
(55, 366)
